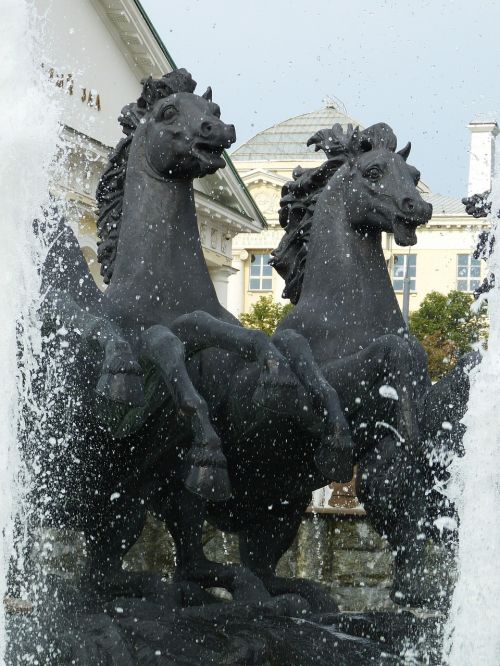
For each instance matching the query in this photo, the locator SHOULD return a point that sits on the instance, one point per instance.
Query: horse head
(184, 136)
(377, 185)
(170, 134)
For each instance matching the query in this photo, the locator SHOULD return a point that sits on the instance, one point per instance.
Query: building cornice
(264, 176)
(225, 214)
(488, 127)
(135, 36)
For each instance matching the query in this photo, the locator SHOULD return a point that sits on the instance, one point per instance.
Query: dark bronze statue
(171, 406)
(332, 255)
(177, 362)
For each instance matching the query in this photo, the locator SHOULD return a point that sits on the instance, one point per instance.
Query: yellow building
(442, 259)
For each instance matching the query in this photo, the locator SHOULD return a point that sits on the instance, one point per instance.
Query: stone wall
(343, 552)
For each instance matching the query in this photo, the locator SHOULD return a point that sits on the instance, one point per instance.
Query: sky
(427, 68)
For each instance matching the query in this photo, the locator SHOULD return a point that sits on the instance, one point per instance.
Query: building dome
(287, 140)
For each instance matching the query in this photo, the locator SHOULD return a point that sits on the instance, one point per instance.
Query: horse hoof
(210, 482)
(335, 461)
(126, 389)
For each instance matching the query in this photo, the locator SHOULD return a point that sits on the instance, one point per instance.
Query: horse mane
(300, 195)
(111, 186)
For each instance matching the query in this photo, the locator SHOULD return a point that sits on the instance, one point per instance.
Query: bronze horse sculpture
(333, 216)
(197, 418)
(147, 439)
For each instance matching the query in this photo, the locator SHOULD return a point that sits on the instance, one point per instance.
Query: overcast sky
(425, 67)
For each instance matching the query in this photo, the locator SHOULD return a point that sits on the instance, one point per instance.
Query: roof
(287, 140)
(155, 34)
(443, 205)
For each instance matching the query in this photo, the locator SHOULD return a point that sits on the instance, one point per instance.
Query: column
(220, 278)
(236, 291)
(483, 132)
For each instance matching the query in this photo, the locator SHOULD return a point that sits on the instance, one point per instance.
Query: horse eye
(169, 112)
(373, 173)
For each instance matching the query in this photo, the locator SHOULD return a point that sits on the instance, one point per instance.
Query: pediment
(264, 176)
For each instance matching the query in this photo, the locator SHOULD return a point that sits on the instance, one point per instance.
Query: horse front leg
(200, 330)
(335, 457)
(388, 373)
(207, 474)
(406, 372)
(184, 517)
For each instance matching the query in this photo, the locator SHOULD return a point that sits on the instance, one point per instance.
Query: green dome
(287, 140)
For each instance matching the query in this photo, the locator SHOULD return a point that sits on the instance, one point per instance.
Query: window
(399, 264)
(261, 274)
(468, 272)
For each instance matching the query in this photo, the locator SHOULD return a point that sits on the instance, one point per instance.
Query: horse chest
(340, 332)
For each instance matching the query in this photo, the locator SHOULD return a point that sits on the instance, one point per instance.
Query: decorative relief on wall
(213, 239)
(267, 199)
(216, 239)
(203, 234)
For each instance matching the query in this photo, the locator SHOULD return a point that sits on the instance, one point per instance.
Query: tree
(447, 328)
(265, 314)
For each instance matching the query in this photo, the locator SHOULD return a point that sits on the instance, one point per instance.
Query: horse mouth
(209, 156)
(404, 230)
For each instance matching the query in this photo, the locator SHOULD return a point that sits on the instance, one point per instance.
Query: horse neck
(347, 296)
(159, 252)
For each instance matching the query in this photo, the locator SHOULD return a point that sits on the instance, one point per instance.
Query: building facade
(97, 53)
(442, 259)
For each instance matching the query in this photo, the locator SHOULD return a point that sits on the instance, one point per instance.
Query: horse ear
(404, 152)
(148, 95)
(208, 94)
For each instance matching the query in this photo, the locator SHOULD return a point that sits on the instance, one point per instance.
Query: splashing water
(225, 546)
(28, 139)
(318, 541)
(473, 630)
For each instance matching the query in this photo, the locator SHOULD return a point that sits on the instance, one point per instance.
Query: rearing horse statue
(174, 370)
(332, 260)
(345, 304)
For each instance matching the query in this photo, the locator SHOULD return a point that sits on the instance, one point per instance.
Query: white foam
(28, 141)
(473, 629)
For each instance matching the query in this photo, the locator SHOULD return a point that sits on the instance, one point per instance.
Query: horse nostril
(408, 205)
(206, 128)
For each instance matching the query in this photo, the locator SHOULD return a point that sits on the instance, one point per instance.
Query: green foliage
(447, 328)
(265, 314)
